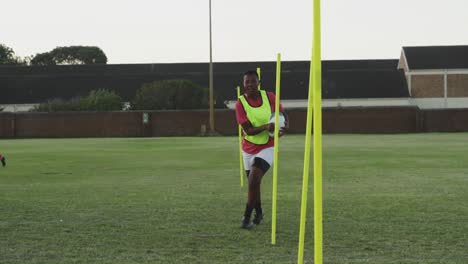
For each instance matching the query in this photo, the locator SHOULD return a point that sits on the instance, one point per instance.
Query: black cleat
(3, 161)
(246, 224)
(258, 218)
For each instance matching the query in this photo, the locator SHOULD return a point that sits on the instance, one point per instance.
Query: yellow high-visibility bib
(258, 116)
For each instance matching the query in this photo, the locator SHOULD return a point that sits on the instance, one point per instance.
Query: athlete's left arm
(283, 130)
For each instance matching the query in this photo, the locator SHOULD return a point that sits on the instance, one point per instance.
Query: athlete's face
(251, 85)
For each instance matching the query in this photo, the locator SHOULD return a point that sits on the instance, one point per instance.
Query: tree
(7, 56)
(102, 100)
(45, 58)
(71, 55)
(97, 100)
(170, 94)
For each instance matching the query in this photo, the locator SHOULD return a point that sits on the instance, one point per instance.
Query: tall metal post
(212, 126)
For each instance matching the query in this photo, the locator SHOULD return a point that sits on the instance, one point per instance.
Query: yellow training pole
(305, 176)
(275, 151)
(314, 100)
(259, 84)
(317, 87)
(241, 163)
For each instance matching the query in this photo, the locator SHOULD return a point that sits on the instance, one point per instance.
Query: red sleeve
(272, 99)
(241, 116)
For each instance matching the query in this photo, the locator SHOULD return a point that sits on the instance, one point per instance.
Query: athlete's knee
(261, 164)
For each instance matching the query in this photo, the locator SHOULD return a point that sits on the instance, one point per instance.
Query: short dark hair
(252, 72)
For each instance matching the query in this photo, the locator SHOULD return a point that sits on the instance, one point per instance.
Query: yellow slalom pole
(275, 152)
(317, 87)
(258, 72)
(314, 101)
(241, 164)
(305, 176)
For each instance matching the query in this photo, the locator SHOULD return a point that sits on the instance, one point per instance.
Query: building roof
(340, 79)
(369, 83)
(436, 57)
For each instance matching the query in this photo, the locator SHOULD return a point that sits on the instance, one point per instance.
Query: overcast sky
(157, 31)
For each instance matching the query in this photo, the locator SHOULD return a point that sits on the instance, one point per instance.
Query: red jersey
(241, 117)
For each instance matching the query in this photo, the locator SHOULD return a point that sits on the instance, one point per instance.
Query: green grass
(387, 199)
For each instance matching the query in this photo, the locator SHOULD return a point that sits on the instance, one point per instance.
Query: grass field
(387, 199)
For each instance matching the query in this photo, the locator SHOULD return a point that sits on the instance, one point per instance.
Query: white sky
(160, 31)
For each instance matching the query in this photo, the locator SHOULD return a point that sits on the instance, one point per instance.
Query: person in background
(2, 159)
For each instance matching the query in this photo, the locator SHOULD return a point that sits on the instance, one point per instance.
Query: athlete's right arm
(251, 130)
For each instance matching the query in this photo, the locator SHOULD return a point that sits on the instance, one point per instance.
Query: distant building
(437, 74)
(428, 77)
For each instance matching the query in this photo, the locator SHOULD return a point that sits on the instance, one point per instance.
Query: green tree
(97, 100)
(102, 100)
(71, 55)
(7, 56)
(170, 94)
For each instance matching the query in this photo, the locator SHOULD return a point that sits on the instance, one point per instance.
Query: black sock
(248, 212)
(258, 210)
(258, 206)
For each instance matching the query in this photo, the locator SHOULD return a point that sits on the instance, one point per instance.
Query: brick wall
(360, 120)
(75, 124)
(7, 125)
(423, 86)
(450, 120)
(189, 123)
(457, 85)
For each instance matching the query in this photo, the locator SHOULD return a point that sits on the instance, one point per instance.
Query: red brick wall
(360, 120)
(78, 124)
(7, 124)
(189, 123)
(450, 120)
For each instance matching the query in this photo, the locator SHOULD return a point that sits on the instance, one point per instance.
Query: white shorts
(266, 154)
